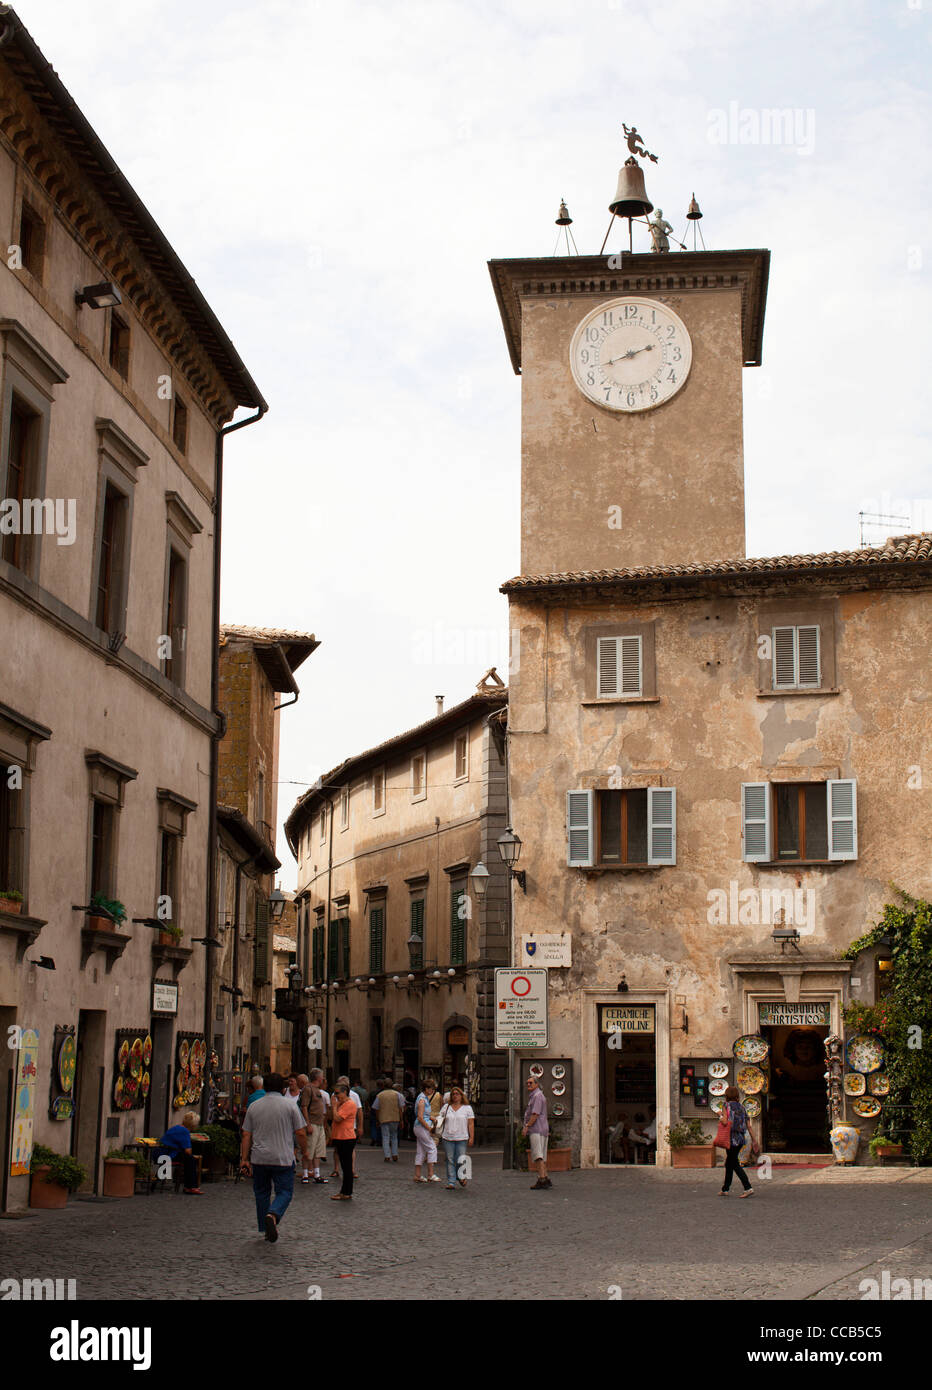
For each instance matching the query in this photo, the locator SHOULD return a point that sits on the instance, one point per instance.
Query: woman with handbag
(456, 1124)
(732, 1135)
(426, 1151)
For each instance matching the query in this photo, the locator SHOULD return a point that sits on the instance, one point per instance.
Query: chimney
(439, 699)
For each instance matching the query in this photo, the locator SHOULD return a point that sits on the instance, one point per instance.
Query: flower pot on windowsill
(694, 1156)
(14, 905)
(119, 1177)
(44, 1195)
(99, 923)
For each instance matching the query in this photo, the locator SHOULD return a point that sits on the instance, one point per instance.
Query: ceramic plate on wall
(719, 1070)
(537, 1069)
(879, 1085)
(855, 1084)
(751, 1048)
(717, 1104)
(558, 1088)
(558, 1110)
(751, 1080)
(865, 1053)
(868, 1107)
(558, 1072)
(718, 1088)
(752, 1106)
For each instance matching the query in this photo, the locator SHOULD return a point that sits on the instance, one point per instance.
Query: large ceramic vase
(845, 1140)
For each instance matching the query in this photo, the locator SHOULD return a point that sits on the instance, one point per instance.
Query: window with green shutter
(417, 929)
(319, 951)
(376, 938)
(459, 916)
(344, 926)
(261, 972)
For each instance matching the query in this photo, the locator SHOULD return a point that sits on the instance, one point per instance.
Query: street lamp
(509, 847)
(415, 945)
(106, 295)
(277, 902)
(480, 879)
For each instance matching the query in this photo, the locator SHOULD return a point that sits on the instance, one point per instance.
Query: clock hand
(632, 352)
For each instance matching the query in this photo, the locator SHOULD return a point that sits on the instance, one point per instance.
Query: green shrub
(686, 1132)
(223, 1142)
(63, 1169)
(136, 1156)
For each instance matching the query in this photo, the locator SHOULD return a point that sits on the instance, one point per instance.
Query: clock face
(630, 354)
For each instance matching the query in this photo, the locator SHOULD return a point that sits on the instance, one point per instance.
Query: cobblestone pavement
(633, 1233)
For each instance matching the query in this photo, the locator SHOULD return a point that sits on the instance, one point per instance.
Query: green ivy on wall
(904, 1016)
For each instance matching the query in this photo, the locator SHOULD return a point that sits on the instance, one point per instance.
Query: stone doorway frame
(592, 997)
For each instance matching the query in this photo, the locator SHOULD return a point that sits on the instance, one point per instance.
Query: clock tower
(631, 420)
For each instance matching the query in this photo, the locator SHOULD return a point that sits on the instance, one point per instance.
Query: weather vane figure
(636, 144)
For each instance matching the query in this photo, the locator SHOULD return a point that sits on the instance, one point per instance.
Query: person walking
(734, 1114)
(387, 1106)
(459, 1128)
(256, 1090)
(344, 1137)
(426, 1151)
(537, 1131)
(271, 1126)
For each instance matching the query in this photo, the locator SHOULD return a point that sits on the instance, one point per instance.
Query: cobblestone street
(637, 1233)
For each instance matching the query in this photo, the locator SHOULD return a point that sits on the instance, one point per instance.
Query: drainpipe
(211, 932)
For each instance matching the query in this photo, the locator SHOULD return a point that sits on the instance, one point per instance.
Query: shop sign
(814, 1015)
(552, 950)
(24, 1104)
(521, 1008)
(627, 1018)
(164, 997)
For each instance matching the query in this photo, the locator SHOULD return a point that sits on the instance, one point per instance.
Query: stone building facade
(395, 948)
(257, 667)
(116, 381)
(711, 759)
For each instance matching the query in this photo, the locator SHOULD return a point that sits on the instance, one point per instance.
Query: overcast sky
(337, 175)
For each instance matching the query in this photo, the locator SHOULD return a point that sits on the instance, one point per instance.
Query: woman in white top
(459, 1127)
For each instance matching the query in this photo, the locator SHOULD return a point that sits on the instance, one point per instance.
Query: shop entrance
(408, 1047)
(627, 1083)
(795, 1118)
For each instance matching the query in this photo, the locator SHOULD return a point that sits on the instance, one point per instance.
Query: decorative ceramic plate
(879, 1085)
(751, 1048)
(135, 1058)
(558, 1088)
(855, 1084)
(868, 1107)
(180, 1079)
(558, 1072)
(751, 1080)
(184, 1051)
(118, 1093)
(752, 1106)
(537, 1069)
(147, 1051)
(718, 1088)
(558, 1110)
(123, 1055)
(67, 1063)
(719, 1070)
(146, 1082)
(717, 1104)
(178, 1102)
(865, 1053)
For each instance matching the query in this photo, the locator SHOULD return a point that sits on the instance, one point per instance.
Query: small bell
(563, 217)
(693, 214)
(631, 198)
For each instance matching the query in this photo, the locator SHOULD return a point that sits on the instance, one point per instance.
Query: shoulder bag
(722, 1138)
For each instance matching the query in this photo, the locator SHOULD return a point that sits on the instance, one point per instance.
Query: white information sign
(521, 1008)
(164, 997)
(551, 950)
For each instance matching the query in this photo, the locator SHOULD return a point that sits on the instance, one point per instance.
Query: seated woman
(619, 1139)
(176, 1143)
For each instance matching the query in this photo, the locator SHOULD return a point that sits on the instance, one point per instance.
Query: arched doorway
(456, 1054)
(408, 1048)
(341, 1053)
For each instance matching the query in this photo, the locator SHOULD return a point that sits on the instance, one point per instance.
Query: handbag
(439, 1123)
(722, 1138)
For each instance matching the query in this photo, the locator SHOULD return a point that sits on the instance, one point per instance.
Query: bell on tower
(564, 221)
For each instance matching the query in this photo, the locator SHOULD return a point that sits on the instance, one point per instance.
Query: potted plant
(559, 1155)
(690, 1145)
(224, 1149)
(522, 1147)
(169, 934)
(882, 1146)
(11, 900)
(122, 1167)
(53, 1177)
(112, 906)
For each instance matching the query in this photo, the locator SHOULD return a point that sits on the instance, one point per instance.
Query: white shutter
(661, 825)
(755, 822)
(607, 662)
(808, 664)
(630, 665)
(842, 813)
(579, 828)
(784, 658)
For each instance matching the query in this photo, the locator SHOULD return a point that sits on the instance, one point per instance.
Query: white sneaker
(433, 1179)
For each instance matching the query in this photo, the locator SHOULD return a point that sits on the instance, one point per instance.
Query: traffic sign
(521, 1018)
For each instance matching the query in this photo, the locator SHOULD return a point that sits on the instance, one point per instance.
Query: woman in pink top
(343, 1131)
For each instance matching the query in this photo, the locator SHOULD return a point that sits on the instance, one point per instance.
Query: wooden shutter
(631, 665)
(808, 662)
(417, 929)
(333, 949)
(376, 938)
(755, 822)
(458, 921)
(784, 658)
(261, 970)
(580, 806)
(607, 663)
(661, 825)
(842, 814)
(344, 926)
